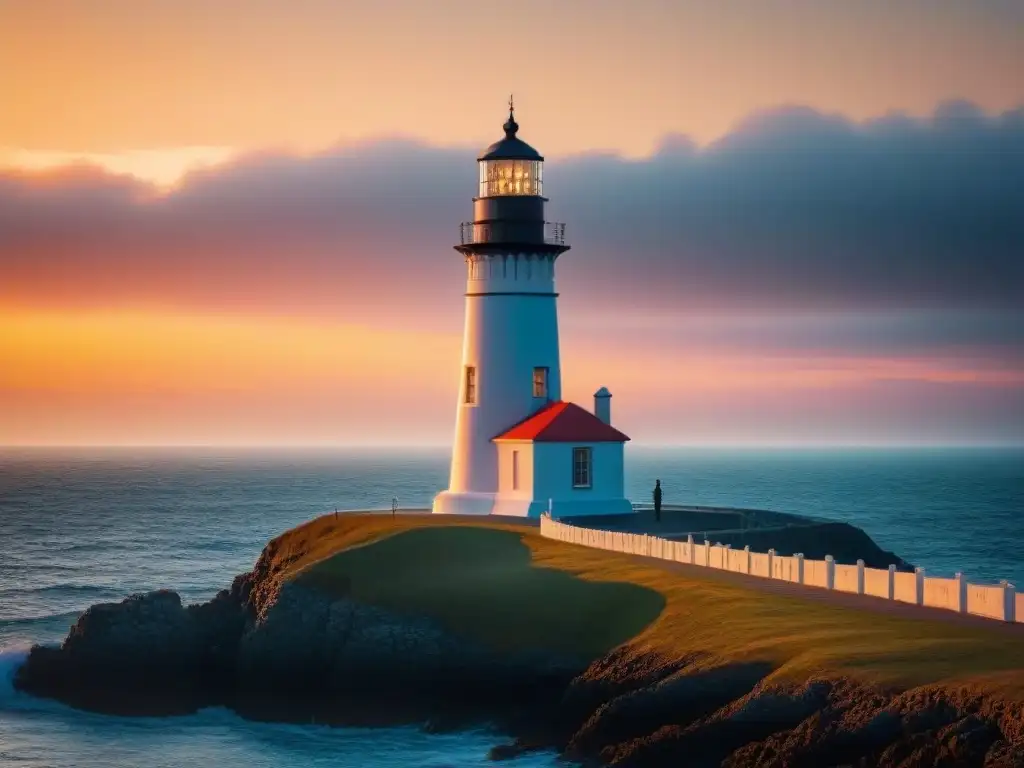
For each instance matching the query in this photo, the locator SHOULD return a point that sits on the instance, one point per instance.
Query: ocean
(89, 525)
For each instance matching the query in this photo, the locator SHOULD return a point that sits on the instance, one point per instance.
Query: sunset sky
(793, 222)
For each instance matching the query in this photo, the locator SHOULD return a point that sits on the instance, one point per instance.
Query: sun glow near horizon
(221, 379)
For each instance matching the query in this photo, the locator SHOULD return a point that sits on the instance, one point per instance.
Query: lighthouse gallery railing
(472, 233)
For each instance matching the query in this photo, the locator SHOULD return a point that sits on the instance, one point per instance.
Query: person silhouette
(657, 500)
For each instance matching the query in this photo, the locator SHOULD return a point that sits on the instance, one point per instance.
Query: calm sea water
(78, 527)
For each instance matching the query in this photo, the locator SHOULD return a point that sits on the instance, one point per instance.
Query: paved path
(678, 521)
(526, 522)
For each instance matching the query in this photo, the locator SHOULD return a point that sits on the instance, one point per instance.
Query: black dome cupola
(511, 147)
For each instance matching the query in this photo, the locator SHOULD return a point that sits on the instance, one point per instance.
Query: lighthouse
(510, 380)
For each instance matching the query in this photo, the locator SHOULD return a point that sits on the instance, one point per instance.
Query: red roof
(561, 422)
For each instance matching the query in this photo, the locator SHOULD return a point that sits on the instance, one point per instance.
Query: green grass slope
(484, 584)
(508, 587)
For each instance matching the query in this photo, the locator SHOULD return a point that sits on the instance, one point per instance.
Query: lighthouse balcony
(519, 232)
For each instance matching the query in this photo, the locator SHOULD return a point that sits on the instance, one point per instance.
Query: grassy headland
(368, 619)
(506, 586)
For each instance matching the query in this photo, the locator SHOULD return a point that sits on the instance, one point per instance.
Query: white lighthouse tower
(519, 449)
(510, 359)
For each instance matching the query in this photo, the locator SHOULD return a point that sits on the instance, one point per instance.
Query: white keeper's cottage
(518, 445)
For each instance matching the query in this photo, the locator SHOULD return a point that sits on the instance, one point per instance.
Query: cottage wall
(553, 476)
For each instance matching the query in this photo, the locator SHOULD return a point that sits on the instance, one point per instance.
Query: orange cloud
(163, 168)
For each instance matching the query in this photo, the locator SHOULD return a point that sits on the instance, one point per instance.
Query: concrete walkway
(679, 520)
(526, 522)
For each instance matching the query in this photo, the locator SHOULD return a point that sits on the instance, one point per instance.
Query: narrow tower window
(540, 382)
(515, 470)
(470, 384)
(581, 467)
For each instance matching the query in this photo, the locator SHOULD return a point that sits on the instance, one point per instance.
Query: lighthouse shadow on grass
(485, 585)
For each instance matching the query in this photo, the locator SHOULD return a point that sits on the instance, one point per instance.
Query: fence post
(771, 563)
(747, 559)
(892, 581)
(799, 567)
(830, 572)
(1009, 601)
(860, 577)
(919, 572)
(707, 553)
(689, 544)
(961, 593)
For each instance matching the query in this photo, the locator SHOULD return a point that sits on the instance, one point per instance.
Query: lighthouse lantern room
(510, 384)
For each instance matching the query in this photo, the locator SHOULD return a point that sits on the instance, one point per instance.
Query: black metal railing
(547, 232)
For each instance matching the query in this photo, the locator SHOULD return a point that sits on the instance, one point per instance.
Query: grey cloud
(792, 211)
(796, 208)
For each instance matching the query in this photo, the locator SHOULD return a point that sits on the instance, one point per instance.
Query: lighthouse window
(470, 384)
(510, 177)
(581, 466)
(540, 382)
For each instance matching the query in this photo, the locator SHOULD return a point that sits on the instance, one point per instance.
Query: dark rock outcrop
(174, 658)
(291, 653)
(682, 697)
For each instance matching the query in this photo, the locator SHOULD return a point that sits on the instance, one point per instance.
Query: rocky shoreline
(281, 650)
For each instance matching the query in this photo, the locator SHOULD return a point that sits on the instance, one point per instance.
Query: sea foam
(10, 660)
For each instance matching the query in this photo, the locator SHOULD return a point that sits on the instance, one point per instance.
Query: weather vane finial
(511, 126)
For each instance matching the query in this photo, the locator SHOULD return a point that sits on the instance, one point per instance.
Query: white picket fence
(994, 601)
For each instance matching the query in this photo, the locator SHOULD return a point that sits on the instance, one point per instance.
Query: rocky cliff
(279, 649)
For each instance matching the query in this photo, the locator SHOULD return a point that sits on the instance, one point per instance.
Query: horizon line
(447, 446)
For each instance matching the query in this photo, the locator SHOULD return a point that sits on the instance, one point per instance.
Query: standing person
(657, 500)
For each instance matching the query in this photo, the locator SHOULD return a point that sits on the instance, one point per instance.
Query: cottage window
(581, 467)
(470, 384)
(540, 382)
(515, 470)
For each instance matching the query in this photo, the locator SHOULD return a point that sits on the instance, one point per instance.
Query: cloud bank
(898, 233)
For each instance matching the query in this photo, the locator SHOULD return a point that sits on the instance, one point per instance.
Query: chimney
(603, 405)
